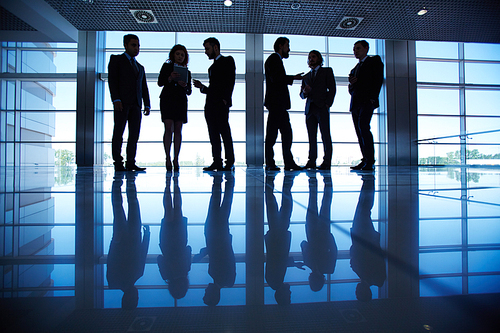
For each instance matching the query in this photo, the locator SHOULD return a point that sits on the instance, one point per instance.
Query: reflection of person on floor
(320, 250)
(278, 238)
(175, 261)
(221, 261)
(367, 257)
(127, 252)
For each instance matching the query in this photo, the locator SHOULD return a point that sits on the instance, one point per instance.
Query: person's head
(282, 46)
(131, 44)
(212, 47)
(363, 292)
(316, 281)
(360, 49)
(212, 295)
(178, 287)
(314, 59)
(283, 295)
(179, 55)
(130, 298)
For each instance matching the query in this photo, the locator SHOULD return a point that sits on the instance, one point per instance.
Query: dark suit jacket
(221, 74)
(370, 78)
(124, 85)
(277, 94)
(323, 88)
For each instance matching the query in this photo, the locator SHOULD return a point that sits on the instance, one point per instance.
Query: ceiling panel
(446, 20)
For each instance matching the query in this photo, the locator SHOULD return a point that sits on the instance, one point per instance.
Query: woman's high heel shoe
(176, 165)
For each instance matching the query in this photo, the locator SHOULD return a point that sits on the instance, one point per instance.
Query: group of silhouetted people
(128, 90)
(128, 248)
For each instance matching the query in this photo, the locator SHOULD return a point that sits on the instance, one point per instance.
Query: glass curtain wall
(458, 91)
(38, 129)
(337, 54)
(196, 149)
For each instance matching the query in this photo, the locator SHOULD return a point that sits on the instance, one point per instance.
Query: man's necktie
(313, 75)
(134, 66)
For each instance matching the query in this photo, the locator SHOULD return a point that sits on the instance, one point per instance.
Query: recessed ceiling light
(228, 3)
(295, 5)
(422, 11)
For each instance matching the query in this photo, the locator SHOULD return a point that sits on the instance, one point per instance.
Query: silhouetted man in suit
(277, 101)
(367, 257)
(318, 87)
(320, 250)
(127, 252)
(365, 81)
(219, 241)
(128, 88)
(221, 76)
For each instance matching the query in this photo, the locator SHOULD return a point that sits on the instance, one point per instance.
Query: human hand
(174, 76)
(307, 89)
(299, 76)
(147, 111)
(182, 84)
(118, 106)
(352, 79)
(197, 84)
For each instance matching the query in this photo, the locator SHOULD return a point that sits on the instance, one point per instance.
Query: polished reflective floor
(110, 241)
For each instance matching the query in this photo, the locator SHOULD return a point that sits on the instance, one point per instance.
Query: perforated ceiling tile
(8, 21)
(446, 20)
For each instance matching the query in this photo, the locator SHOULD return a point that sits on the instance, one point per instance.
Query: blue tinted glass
(438, 101)
(436, 71)
(482, 73)
(476, 51)
(443, 50)
(482, 102)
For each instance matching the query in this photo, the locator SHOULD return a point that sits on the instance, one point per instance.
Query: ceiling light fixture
(422, 11)
(228, 3)
(295, 5)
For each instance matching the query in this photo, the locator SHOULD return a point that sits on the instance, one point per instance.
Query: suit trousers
(314, 118)
(278, 120)
(217, 118)
(361, 117)
(132, 115)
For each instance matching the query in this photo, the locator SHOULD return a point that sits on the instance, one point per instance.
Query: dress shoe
(310, 165)
(119, 167)
(213, 167)
(133, 167)
(368, 167)
(168, 165)
(228, 168)
(359, 166)
(293, 167)
(272, 168)
(324, 166)
(176, 165)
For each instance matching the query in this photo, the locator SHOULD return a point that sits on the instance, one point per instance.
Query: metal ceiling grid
(446, 20)
(9, 21)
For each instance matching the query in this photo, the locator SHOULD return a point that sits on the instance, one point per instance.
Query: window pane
(36, 95)
(442, 50)
(48, 62)
(482, 73)
(438, 101)
(48, 126)
(114, 39)
(474, 124)
(342, 66)
(435, 127)
(228, 41)
(433, 71)
(433, 154)
(476, 51)
(345, 45)
(482, 102)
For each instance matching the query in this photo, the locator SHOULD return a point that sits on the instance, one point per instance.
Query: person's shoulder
(374, 58)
